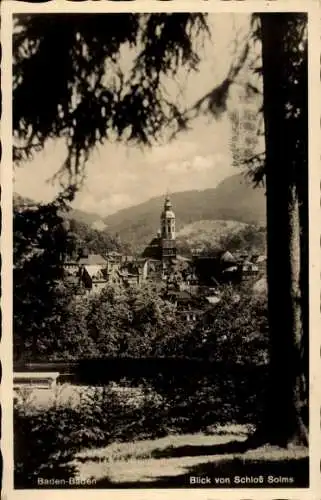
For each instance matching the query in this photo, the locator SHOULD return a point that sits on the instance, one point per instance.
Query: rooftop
(93, 259)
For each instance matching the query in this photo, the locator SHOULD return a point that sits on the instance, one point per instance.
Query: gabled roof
(213, 299)
(92, 260)
(227, 257)
(230, 269)
(181, 258)
(94, 271)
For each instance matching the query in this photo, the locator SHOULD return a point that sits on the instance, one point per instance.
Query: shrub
(44, 444)
(45, 441)
(234, 331)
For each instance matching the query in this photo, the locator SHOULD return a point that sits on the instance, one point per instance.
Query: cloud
(109, 180)
(109, 203)
(120, 176)
(202, 162)
(175, 151)
(177, 167)
(198, 164)
(119, 200)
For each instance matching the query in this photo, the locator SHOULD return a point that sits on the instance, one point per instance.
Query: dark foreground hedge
(45, 441)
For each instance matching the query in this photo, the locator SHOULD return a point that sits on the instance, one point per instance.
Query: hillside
(199, 216)
(204, 232)
(208, 235)
(84, 232)
(233, 199)
(90, 219)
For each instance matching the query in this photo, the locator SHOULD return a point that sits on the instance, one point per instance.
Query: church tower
(168, 242)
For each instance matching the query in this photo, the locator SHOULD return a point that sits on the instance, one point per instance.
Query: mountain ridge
(206, 236)
(232, 199)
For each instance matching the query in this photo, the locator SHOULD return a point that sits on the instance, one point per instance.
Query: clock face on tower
(163, 247)
(168, 221)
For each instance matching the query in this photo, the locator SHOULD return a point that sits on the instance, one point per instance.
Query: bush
(235, 331)
(45, 441)
(224, 395)
(44, 444)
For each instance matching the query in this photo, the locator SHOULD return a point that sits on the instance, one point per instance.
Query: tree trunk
(286, 143)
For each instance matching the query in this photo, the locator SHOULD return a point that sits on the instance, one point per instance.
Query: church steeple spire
(163, 247)
(168, 220)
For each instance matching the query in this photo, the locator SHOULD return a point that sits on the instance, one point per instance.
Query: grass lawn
(174, 460)
(213, 458)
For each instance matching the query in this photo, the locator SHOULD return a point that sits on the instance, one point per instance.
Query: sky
(119, 176)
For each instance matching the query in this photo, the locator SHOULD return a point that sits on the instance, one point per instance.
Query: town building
(163, 246)
(89, 272)
(133, 272)
(201, 276)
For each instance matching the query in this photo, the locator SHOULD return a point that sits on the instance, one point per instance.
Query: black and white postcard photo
(160, 249)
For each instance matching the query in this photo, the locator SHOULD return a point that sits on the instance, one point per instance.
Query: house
(185, 302)
(94, 271)
(133, 272)
(206, 268)
(92, 278)
(227, 259)
(154, 270)
(213, 299)
(111, 272)
(249, 270)
(261, 262)
(92, 259)
(115, 257)
(125, 259)
(128, 278)
(181, 298)
(71, 267)
(260, 287)
(191, 315)
(220, 267)
(88, 273)
(189, 307)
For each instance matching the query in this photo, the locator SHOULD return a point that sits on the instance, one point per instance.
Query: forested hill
(233, 199)
(212, 235)
(91, 219)
(82, 229)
